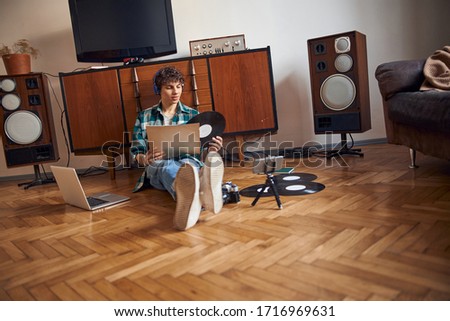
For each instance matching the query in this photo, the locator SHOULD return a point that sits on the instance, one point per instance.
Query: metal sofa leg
(412, 155)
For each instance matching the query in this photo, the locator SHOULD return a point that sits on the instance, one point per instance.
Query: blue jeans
(161, 174)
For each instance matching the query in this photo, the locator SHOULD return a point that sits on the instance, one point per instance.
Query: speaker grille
(11, 102)
(23, 127)
(7, 85)
(337, 92)
(335, 122)
(343, 63)
(33, 154)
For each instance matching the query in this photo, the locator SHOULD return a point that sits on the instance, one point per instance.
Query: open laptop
(174, 140)
(73, 193)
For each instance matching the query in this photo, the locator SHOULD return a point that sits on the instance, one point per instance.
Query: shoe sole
(211, 185)
(188, 207)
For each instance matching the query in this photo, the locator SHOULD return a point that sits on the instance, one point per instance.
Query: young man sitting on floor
(192, 180)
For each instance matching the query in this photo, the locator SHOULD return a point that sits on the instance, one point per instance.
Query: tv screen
(113, 30)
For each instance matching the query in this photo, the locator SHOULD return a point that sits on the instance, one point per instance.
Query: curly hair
(165, 76)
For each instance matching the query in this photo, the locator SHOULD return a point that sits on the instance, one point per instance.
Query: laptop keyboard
(95, 201)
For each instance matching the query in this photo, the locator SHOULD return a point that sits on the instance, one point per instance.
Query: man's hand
(151, 156)
(216, 144)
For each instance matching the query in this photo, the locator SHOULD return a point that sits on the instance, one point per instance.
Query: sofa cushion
(428, 110)
(399, 76)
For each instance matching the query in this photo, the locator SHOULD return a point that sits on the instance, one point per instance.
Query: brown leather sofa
(414, 118)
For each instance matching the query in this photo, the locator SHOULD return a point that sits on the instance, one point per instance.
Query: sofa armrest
(398, 76)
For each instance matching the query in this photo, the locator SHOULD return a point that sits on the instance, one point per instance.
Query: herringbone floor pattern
(378, 231)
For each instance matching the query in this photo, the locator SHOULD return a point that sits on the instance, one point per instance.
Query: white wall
(395, 29)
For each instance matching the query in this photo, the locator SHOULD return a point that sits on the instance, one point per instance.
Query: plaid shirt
(153, 116)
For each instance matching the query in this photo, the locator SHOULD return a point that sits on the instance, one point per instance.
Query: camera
(230, 193)
(267, 164)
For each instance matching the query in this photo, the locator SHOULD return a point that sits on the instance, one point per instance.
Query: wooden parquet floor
(378, 231)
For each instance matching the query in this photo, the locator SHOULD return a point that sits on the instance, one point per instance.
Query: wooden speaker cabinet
(93, 108)
(242, 89)
(339, 83)
(28, 131)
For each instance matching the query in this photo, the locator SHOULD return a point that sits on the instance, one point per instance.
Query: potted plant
(17, 59)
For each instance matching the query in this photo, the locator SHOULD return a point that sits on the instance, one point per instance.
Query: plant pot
(16, 64)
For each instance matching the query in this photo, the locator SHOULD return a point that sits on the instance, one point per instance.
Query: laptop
(73, 193)
(175, 140)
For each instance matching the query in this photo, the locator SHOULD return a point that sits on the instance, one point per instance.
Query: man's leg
(181, 180)
(187, 191)
(162, 175)
(211, 176)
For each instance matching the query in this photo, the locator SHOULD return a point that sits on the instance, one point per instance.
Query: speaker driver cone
(23, 127)
(11, 102)
(7, 85)
(343, 63)
(337, 92)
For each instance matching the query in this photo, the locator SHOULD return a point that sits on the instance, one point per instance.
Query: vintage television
(114, 30)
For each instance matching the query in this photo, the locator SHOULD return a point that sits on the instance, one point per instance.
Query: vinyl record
(298, 188)
(253, 190)
(292, 178)
(211, 124)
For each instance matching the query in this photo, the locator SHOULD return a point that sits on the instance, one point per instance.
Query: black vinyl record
(211, 123)
(300, 188)
(292, 178)
(291, 189)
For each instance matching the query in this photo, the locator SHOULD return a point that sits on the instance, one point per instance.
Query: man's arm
(139, 143)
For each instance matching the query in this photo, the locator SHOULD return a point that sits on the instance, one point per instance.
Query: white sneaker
(188, 200)
(211, 183)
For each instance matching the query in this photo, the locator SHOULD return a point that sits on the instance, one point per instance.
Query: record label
(294, 177)
(205, 130)
(211, 124)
